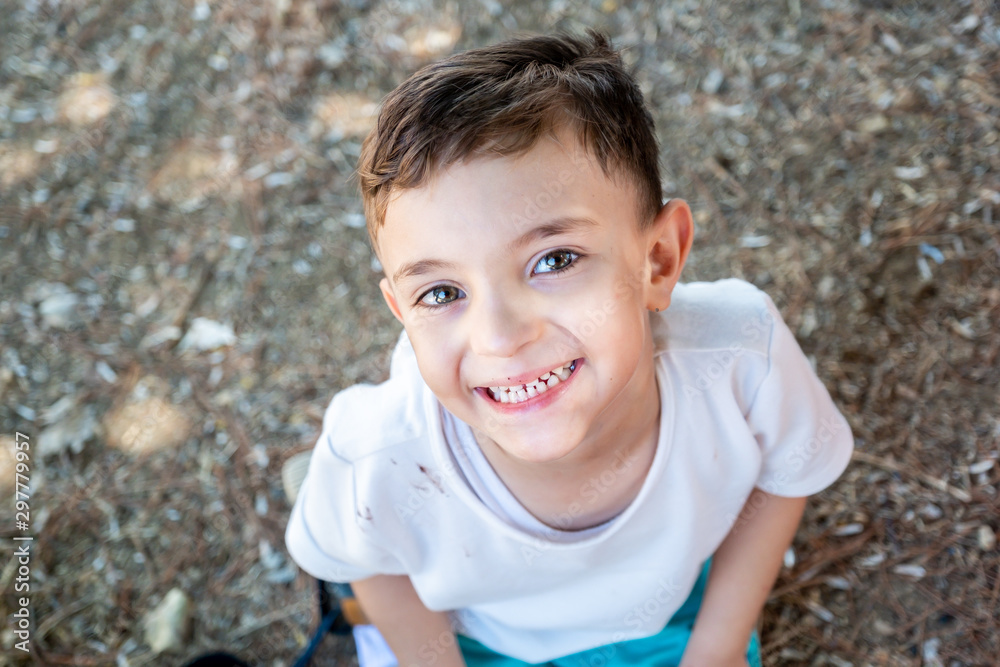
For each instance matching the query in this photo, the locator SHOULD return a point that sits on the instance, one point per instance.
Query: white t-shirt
(479, 475)
(741, 408)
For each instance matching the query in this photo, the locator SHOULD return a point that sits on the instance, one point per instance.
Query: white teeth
(520, 393)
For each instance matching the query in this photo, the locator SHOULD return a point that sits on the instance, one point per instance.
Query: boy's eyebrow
(420, 268)
(553, 227)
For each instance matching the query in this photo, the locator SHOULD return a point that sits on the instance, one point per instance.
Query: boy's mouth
(522, 392)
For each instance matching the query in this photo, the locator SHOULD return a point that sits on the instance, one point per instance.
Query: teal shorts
(663, 649)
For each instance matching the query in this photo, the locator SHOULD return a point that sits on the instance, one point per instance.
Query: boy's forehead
(560, 149)
(525, 185)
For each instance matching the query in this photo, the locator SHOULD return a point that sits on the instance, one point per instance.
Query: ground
(167, 166)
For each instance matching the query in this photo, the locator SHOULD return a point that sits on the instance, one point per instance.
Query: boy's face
(524, 284)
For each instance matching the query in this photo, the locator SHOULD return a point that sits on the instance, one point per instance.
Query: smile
(523, 392)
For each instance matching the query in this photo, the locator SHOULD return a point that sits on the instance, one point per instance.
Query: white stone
(987, 538)
(60, 311)
(206, 334)
(167, 626)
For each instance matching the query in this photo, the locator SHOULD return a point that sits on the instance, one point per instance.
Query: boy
(576, 460)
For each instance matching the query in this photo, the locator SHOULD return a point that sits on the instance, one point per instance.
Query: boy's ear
(390, 298)
(669, 244)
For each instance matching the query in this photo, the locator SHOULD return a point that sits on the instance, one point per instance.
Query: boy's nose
(500, 327)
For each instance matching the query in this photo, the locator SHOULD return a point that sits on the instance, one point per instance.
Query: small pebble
(25, 412)
(883, 628)
(891, 43)
(987, 538)
(168, 625)
(964, 329)
(928, 250)
(981, 466)
(218, 62)
(909, 570)
(821, 612)
(873, 124)
(910, 173)
(925, 269)
(754, 241)
(257, 171)
(849, 529)
(930, 651)
(871, 561)
(260, 456)
(968, 24)
(713, 82)
(282, 575)
(159, 337)
(201, 11)
(106, 372)
(270, 558)
(278, 178)
(931, 512)
(46, 146)
(23, 115)
(205, 334)
(60, 311)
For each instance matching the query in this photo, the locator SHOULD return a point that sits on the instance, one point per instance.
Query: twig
(929, 480)
(207, 274)
(59, 615)
(267, 620)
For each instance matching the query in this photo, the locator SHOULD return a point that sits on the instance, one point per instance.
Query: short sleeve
(324, 535)
(805, 441)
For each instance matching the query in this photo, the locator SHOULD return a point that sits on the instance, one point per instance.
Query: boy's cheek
(629, 285)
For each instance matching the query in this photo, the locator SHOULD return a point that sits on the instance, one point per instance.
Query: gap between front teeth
(523, 392)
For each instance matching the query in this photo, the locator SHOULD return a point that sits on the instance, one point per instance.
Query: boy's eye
(557, 260)
(440, 295)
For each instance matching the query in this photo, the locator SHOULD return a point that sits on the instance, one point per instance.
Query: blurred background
(186, 282)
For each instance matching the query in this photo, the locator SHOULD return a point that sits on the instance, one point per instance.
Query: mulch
(167, 166)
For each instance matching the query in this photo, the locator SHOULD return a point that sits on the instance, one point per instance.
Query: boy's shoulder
(368, 419)
(706, 316)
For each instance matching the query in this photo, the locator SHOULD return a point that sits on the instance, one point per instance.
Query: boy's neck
(597, 481)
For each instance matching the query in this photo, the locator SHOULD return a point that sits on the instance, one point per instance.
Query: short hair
(499, 100)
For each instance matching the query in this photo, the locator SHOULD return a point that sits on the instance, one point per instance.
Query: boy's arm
(743, 572)
(416, 635)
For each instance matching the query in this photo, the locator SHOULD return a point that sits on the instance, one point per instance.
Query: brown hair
(499, 100)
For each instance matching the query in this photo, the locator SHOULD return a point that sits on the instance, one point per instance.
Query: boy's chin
(535, 448)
